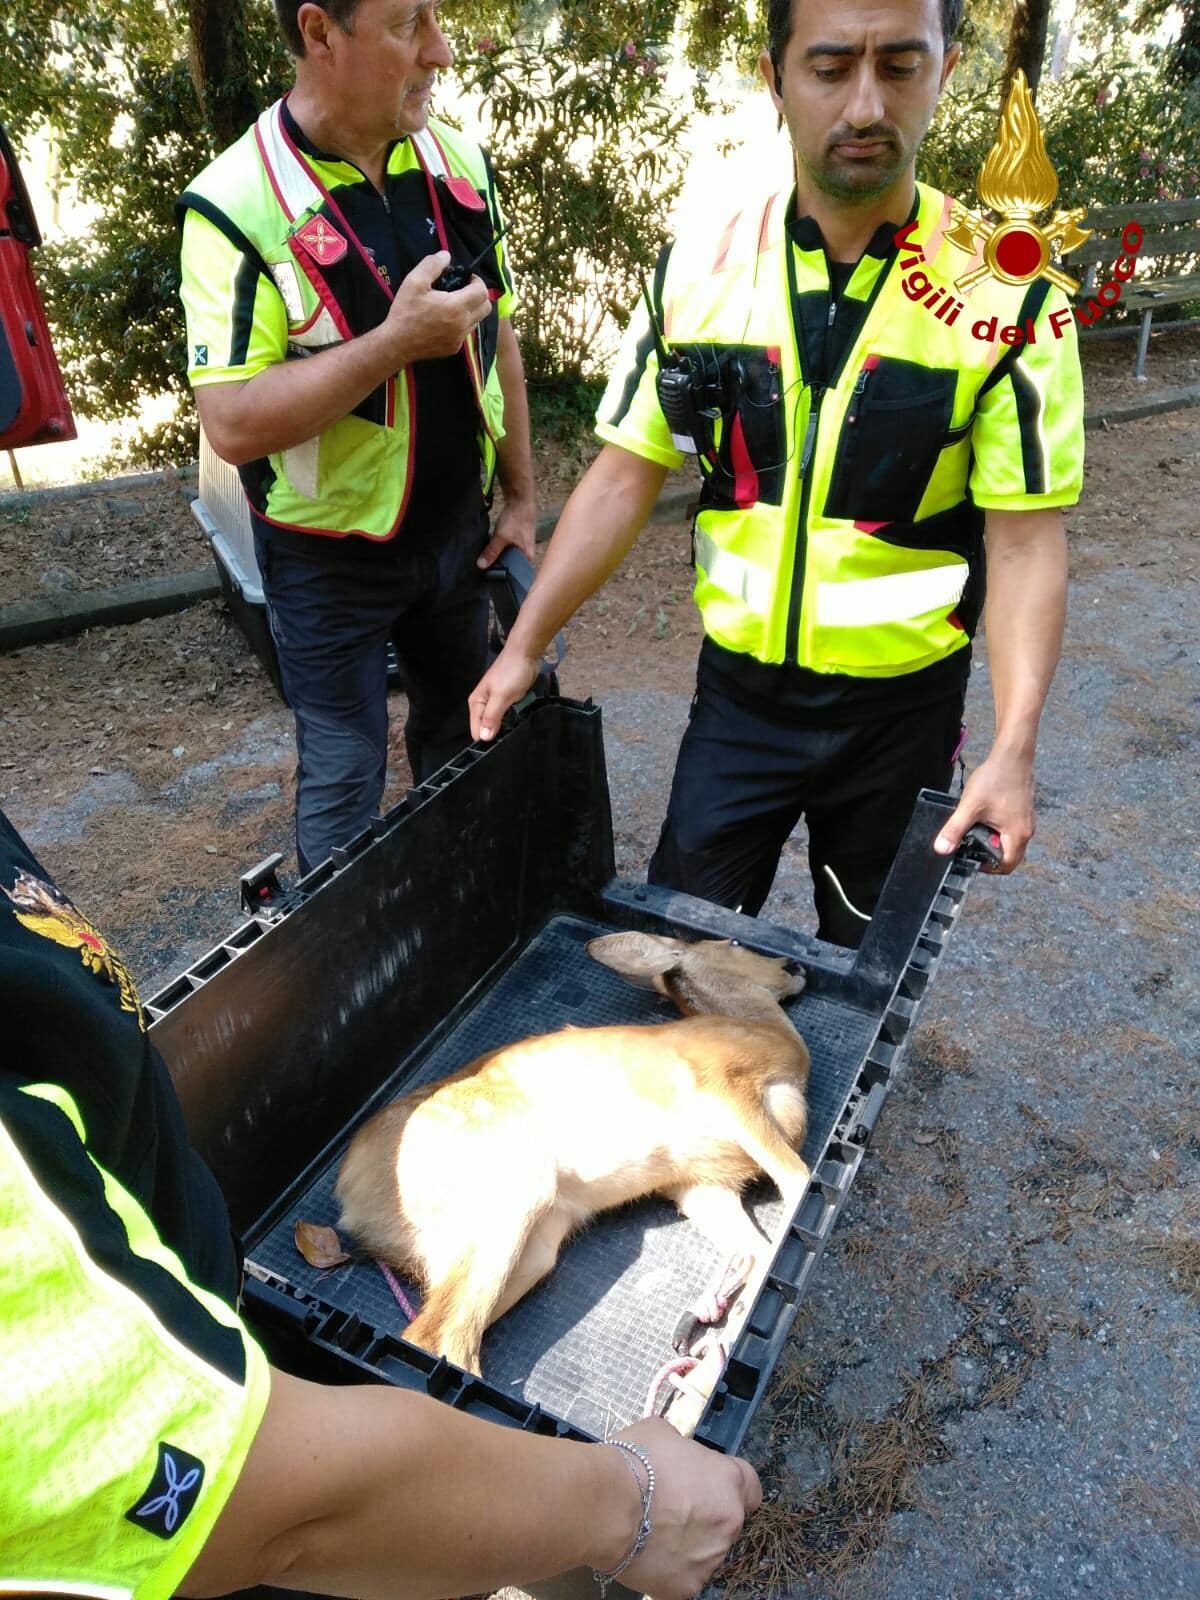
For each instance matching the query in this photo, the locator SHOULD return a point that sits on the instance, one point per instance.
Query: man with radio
(857, 445)
(350, 347)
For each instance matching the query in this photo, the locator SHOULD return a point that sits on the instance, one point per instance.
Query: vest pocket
(751, 458)
(893, 430)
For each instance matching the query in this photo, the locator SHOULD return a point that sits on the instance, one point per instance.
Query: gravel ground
(994, 1390)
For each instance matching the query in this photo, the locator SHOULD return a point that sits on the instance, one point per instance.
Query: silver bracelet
(645, 1528)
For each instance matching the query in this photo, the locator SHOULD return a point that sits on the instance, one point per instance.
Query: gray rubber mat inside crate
(586, 1343)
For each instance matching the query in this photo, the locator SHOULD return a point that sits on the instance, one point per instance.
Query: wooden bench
(1165, 236)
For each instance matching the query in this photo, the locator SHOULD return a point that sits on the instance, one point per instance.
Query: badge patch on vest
(46, 911)
(171, 1493)
(465, 192)
(322, 241)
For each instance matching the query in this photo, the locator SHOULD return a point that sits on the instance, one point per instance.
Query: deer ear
(640, 957)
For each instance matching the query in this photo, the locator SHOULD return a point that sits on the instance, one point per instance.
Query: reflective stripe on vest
(734, 574)
(865, 602)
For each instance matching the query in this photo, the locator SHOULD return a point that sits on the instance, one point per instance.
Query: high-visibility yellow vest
(837, 528)
(264, 193)
(130, 1395)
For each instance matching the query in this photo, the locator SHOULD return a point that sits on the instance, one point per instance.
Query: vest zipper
(791, 641)
(860, 389)
(791, 649)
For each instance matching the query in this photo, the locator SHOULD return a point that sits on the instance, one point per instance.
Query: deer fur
(471, 1185)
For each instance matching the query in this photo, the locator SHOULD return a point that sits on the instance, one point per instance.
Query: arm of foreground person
(373, 1491)
(605, 514)
(1025, 616)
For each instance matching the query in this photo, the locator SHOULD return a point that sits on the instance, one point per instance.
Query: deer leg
(537, 1260)
(719, 1213)
(464, 1299)
(761, 1139)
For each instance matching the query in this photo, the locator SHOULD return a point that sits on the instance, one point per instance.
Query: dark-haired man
(365, 408)
(861, 442)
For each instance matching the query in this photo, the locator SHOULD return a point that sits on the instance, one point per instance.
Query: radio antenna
(659, 347)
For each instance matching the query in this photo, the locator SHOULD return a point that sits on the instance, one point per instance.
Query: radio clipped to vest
(691, 402)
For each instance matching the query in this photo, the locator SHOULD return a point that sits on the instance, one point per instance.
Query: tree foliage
(585, 136)
(1122, 125)
(586, 148)
(111, 81)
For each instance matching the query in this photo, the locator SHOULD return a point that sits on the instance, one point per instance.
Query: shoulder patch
(45, 910)
(171, 1494)
(322, 241)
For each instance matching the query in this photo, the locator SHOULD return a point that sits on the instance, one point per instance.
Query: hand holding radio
(456, 276)
(425, 321)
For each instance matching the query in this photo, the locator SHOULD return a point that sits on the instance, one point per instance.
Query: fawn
(471, 1185)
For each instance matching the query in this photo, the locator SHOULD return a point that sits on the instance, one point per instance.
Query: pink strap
(394, 1285)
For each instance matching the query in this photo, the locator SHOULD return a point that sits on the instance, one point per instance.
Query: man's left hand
(999, 793)
(516, 524)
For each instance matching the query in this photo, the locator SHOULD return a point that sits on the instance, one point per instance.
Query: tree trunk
(220, 69)
(1026, 45)
(1184, 60)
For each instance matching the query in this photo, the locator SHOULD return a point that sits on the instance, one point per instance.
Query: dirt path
(994, 1391)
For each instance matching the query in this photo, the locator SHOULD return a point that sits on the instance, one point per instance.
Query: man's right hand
(501, 686)
(424, 323)
(701, 1500)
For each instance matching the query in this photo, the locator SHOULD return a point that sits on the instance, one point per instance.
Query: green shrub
(586, 150)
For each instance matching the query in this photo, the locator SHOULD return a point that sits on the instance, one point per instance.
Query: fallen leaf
(319, 1246)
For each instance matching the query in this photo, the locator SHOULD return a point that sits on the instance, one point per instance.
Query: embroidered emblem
(200, 355)
(172, 1492)
(48, 912)
(323, 242)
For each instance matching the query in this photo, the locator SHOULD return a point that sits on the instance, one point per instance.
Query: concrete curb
(39, 621)
(1151, 406)
(42, 620)
(13, 499)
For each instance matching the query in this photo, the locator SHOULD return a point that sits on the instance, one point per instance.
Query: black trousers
(744, 777)
(331, 621)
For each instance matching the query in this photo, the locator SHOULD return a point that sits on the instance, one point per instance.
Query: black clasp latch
(982, 844)
(261, 889)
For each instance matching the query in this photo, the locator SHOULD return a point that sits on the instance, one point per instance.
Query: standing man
(366, 408)
(856, 443)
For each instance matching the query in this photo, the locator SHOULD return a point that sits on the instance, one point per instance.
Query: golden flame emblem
(1017, 180)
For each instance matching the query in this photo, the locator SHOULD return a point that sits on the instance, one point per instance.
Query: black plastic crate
(458, 923)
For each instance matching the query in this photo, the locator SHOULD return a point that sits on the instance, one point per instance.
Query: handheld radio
(455, 277)
(688, 402)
